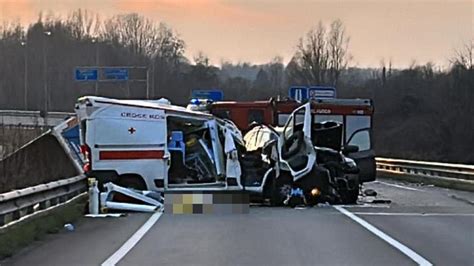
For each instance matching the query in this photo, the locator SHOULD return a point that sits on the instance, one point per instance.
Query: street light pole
(96, 43)
(45, 73)
(25, 81)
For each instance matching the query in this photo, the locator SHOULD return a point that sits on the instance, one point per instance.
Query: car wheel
(350, 196)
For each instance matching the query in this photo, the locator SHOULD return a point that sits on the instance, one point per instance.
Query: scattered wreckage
(156, 146)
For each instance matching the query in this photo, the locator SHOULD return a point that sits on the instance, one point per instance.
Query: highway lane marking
(398, 186)
(411, 214)
(132, 241)
(366, 205)
(402, 248)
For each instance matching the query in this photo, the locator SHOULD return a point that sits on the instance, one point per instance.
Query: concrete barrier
(32, 118)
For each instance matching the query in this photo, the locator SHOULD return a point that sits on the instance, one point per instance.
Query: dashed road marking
(398, 186)
(402, 248)
(132, 241)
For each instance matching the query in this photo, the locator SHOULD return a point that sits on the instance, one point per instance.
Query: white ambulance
(157, 146)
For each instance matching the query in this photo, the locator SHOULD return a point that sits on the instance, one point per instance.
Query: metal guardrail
(19, 204)
(460, 171)
(457, 176)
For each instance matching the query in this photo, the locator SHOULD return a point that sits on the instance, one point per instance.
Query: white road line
(367, 205)
(411, 214)
(132, 241)
(398, 186)
(404, 249)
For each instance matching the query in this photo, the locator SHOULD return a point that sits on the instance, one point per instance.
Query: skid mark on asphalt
(402, 248)
(132, 241)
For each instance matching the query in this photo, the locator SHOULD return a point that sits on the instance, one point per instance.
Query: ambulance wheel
(131, 181)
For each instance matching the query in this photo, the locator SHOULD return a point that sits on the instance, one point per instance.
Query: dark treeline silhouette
(421, 112)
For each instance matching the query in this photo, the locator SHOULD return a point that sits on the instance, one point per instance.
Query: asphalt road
(436, 225)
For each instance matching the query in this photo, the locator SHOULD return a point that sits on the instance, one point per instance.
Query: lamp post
(25, 81)
(45, 73)
(96, 43)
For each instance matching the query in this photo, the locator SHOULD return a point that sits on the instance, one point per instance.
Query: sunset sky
(257, 30)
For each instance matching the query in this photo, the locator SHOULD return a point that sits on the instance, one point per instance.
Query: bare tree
(83, 24)
(201, 59)
(276, 70)
(338, 44)
(142, 36)
(11, 32)
(464, 56)
(322, 55)
(312, 56)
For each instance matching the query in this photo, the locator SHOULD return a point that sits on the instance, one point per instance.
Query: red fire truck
(354, 114)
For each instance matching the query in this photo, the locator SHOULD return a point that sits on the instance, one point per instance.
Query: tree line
(42, 57)
(422, 112)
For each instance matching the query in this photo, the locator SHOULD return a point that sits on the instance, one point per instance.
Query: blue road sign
(301, 93)
(320, 92)
(116, 74)
(86, 74)
(298, 93)
(214, 95)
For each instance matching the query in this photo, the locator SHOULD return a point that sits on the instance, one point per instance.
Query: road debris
(69, 227)
(147, 203)
(106, 215)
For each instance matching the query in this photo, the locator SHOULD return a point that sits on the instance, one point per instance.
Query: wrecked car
(302, 158)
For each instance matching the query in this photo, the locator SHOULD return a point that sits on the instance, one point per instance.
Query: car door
(296, 151)
(365, 155)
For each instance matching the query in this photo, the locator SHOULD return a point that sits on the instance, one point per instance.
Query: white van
(156, 146)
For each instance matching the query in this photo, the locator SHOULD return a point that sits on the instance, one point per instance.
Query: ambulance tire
(131, 181)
